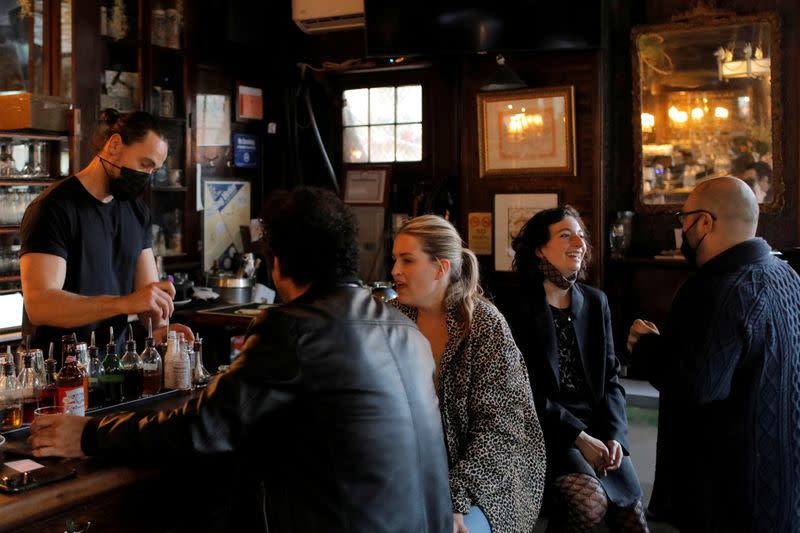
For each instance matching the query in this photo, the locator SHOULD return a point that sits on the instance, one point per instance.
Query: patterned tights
(581, 505)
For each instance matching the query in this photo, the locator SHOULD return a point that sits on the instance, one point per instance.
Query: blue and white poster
(227, 207)
(245, 150)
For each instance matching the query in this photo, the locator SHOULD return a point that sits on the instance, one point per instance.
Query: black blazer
(532, 325)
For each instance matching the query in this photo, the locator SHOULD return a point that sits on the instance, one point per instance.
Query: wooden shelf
(169, 189)
(33, 135)
(9, 230)
(167, 49)
(14, 277)
(127, 42)
(21, 182)
(10, 291)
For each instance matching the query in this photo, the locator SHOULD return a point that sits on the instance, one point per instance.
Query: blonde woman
(494, 441)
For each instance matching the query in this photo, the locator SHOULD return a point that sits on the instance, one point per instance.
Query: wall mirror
(706, 103)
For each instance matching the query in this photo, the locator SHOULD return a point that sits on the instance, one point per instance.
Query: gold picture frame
(527, 131)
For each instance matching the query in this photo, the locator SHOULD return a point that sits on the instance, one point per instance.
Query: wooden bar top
(94, 481)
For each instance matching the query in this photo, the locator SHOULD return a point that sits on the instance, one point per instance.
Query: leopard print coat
(494, 440)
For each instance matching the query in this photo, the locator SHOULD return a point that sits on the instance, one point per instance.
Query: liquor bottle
(48, 394)
(200, 376)
(30, 385)
(66, 342)
(176, 365)
(132, 373)
(10, 398)
(152, 366)
(70, 384)
(82, 362)
(95, 371)
(111, 380)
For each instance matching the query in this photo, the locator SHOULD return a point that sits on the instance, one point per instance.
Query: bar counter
(109, 494)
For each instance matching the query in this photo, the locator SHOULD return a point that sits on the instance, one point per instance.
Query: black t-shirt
(101, 243)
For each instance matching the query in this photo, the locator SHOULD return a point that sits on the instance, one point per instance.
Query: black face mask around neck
(555, 276)
(129, 184)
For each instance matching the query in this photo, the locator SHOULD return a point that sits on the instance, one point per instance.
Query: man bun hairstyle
(131, 127)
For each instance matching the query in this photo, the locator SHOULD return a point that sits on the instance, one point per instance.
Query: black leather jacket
(332, 399)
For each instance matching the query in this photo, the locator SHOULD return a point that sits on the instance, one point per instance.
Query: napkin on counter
(204, 293)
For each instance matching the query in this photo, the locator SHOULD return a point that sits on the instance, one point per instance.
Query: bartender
(86, 258)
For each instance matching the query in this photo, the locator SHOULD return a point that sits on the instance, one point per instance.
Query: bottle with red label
(70, 383)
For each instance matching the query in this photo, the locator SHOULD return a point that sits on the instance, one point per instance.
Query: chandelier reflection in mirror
(705, 104)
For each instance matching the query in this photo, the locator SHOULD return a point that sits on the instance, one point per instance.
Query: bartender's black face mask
(128, 184)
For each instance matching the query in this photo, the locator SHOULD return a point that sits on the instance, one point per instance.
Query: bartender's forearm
(62, 309)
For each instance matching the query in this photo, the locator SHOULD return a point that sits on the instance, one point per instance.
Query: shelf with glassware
(29, 162)
(144, 66)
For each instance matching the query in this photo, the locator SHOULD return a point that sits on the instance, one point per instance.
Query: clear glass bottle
(132, 372)
(111, 380)
(200, 376)
(620, 234)
(176, 365)
(30, 383)
(95, 371)
(10, 399)
(70, 384)
(152, 366)
(189, 349)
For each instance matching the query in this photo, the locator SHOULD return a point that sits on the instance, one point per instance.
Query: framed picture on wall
(511, 212)
(528, 131)
(367, 185)
(227, 209)
(249, 103)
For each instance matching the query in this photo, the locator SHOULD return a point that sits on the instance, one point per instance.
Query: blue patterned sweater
(728, 368)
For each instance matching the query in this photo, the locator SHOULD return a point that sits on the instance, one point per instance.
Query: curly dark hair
(535, 234)
(313, 234)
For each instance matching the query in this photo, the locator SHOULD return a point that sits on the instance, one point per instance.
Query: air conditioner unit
(313, 16)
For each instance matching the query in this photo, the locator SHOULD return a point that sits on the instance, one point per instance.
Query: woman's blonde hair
(440, 240)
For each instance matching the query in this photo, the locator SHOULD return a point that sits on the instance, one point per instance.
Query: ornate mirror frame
(701, 20)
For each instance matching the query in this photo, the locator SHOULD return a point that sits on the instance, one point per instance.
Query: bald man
(728, 370)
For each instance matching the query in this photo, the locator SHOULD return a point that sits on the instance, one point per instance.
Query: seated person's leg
(580, 503)
(476, 521)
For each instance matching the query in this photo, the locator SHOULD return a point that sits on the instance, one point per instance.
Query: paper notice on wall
(199, 189)
(480, 233)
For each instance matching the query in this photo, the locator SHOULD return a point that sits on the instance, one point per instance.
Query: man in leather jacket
(331, 399)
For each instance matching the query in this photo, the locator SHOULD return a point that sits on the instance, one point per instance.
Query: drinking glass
(50, 410)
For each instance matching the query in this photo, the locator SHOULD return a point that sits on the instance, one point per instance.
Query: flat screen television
(446, 27)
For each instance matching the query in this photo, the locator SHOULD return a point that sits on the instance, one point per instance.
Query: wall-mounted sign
(249, 103)
(480, 233)
(245, 150)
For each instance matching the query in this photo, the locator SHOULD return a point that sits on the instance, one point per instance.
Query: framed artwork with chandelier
(527, 131)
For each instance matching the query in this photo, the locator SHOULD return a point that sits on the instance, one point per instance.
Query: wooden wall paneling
(583, 191)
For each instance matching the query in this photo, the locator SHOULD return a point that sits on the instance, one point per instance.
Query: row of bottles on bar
(85, 380)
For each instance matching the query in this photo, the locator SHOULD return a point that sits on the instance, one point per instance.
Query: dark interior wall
(583, 191)
(450, 141)
(602, 80)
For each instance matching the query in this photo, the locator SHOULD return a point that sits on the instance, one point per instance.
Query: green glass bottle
(111, 380)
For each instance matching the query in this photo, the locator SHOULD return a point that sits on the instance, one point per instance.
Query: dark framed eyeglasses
(680, 216)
